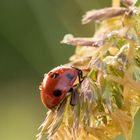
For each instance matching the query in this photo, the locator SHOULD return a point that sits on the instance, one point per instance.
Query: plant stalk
(115, 3)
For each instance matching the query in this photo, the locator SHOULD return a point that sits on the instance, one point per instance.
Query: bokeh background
(30, 35)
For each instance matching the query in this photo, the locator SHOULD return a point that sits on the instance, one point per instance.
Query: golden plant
(109, 96)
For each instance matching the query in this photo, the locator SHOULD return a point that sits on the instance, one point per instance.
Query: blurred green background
(30, 32)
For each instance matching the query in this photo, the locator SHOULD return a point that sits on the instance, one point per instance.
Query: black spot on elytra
(54, 75)
(69, 76)
(57, 93)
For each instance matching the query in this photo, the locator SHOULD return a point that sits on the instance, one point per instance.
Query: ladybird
(57, 83)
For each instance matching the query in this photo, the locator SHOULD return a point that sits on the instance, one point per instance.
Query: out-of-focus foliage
(109, 96)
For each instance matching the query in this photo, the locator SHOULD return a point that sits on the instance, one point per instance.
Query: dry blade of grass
(109, 95)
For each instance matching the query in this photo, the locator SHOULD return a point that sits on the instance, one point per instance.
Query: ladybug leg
(71, 90)
(80, 74)
(74, 96)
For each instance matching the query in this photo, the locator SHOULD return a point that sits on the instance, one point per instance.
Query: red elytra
(56, 84)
